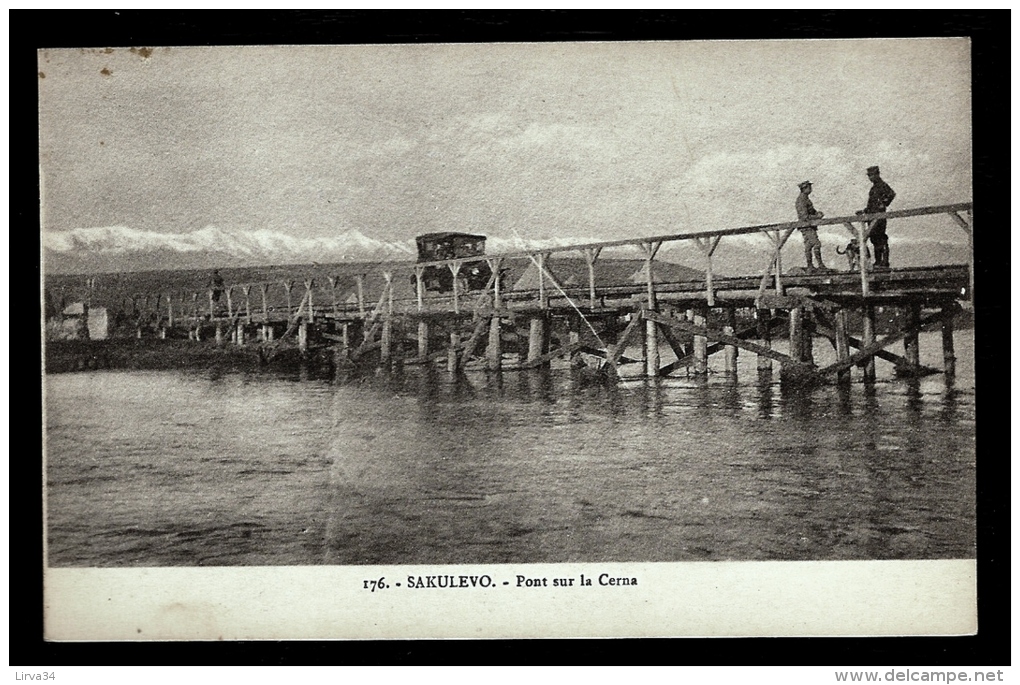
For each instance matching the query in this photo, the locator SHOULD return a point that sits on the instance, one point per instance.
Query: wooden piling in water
(730, 351)
(240, 334)
(797, 333)
(452, 358)
(948, 347)
(700, 318)
(911, 343)
(423, 338)
(842, 344)
(538, 342)
(868, 339)
(303, 337)
(652, 349)
(494, 349)
(763, 318)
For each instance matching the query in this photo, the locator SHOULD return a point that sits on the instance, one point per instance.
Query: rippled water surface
(202, 468)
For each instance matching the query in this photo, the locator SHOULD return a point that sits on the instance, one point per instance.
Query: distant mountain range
(124, 249)
(120, 249)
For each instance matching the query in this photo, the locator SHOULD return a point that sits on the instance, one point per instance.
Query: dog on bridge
(853, 254)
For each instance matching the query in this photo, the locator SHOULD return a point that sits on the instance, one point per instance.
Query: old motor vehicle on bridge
(435, 247)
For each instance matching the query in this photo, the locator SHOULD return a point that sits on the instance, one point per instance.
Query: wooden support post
(170, 310)
(219, 333)
(494, 350)
(419, 287)
(240, 333)
(230, 303)
(538, 343)
(332, 294)
(288, 286)
(247, 302)
(730, 351)
(264, 288)
(270, 332)
(387, 326)
(590, 255)
(868, 339)
(452, 358)
(455, 271)
(212, 305)
(309, 284)
(651, 328)
(162, 332)
(386, 340)
(423, 339)
(763, 316)
(360, 280)
(842, 344)
(651, 349)
(708, 246)
(862, 237)
(797, 333)
(303, 337)
(700, 318)
(808, 337)
(948, 348)
(911, 343)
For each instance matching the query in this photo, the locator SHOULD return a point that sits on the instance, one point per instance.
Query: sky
(528, 141)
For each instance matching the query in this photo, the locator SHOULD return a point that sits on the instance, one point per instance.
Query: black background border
(989, 31)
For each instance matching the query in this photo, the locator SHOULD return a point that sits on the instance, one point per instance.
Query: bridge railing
(310, 298)
(708, 241)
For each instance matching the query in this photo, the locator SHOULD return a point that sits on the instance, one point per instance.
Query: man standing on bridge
(879, 198)
(806, 212)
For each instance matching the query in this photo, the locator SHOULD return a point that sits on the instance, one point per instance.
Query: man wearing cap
(806, 212)
(879, 198)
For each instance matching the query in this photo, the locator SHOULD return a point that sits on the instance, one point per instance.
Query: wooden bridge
(386, 316)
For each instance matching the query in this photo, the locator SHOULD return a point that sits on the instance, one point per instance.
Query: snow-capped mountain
(121, 248)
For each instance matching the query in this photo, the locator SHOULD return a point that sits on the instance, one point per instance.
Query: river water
(204, 468)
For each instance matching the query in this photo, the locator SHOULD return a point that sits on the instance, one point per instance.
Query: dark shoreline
(61, 356)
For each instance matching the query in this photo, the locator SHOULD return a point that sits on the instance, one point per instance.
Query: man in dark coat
(879, 198)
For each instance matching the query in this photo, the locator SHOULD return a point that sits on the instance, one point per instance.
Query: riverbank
(62, 356)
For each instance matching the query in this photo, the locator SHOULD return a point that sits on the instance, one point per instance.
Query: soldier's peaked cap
(803, 184)
(872, 169)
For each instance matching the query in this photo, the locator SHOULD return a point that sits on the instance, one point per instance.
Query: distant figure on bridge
(879, 198)
(805, 212)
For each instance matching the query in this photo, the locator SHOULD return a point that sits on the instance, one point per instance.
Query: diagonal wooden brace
(726, 338)
(872, 350)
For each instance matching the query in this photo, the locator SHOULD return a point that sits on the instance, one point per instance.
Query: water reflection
(422, 466)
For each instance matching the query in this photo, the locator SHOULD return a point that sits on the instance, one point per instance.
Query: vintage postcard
(667, 338)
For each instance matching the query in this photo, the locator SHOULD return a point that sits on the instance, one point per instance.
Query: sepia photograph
(508, 339)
